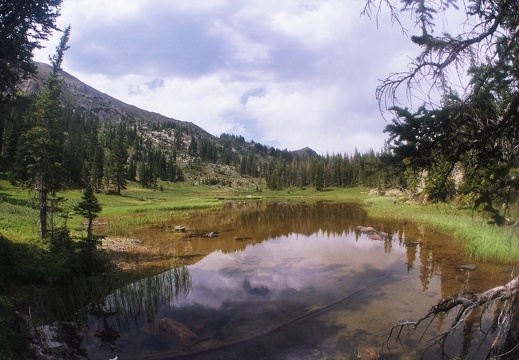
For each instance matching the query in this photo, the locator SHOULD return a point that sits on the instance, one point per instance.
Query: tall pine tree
(42, 143)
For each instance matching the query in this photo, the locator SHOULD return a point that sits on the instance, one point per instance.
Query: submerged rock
(244, 238)
(372, 233)
(49, 333)
(212, 234)
(178, 332)
(365, 229)
(468, 267)
(375, 236)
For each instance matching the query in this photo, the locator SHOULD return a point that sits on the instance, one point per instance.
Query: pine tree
(118, 162)
(23, 25)
(90, 208)
(42, 144)
(319, 175)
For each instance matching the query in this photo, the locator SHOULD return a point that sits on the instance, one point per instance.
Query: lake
(290, 281)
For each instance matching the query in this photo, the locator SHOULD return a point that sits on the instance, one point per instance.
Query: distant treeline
(107, 154)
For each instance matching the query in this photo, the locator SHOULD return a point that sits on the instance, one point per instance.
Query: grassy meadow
(138, 207)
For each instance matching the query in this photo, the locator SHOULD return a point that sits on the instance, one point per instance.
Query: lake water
(291, 281)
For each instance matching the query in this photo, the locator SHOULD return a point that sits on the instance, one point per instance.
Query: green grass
(481, 240)
(138, 207)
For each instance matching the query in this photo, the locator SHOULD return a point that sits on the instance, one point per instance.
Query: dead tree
(505, 344)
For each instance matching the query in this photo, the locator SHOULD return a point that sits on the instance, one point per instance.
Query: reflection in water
(146, 295)
(290, 281)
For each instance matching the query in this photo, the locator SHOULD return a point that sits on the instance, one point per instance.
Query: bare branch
(466, 303)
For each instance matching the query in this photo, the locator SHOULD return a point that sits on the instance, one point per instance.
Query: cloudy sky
(288, 74)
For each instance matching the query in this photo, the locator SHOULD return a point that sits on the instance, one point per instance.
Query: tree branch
(466, 302)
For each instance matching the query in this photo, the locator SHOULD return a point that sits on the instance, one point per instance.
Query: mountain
(100, 105)
(107, 108)
(305, 153)
(159, 147)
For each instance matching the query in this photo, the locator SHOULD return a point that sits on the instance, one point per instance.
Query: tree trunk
(511, 343)
(42, 199)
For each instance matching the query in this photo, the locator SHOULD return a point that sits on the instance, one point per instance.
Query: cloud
(288, 74)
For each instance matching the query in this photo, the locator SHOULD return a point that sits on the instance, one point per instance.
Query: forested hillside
(104, 142)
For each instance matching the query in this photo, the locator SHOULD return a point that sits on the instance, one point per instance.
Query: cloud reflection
(283, 265)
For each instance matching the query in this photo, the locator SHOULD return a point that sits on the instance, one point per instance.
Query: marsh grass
(481, 240)
(143, 297)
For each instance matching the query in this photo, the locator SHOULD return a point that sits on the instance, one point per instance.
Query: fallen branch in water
(467, 302)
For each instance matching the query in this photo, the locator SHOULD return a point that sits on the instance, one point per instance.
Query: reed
(481, 240)
(143, 297)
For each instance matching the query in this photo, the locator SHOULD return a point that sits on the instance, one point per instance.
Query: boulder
(178, 332)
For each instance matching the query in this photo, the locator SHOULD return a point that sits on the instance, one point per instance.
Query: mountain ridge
(107, 108)
(99, 104)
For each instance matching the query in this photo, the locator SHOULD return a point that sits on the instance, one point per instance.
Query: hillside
(192, 154)
(106, 142)
(100, 105)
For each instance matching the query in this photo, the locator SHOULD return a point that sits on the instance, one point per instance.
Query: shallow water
(294, 281)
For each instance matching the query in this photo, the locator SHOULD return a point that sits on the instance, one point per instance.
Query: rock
(107, 335)
(374, 192)
(178, 332)
(430, 293)
(375, 236)
(468, 267)
(372, 233)
(49, 333)
(212, 234)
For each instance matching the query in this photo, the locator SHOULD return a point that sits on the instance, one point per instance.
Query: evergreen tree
(193, 147)
(23, 25)
(319, 176)
(89, 208)
(42, 145)
(118, 161)
(97, 168)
